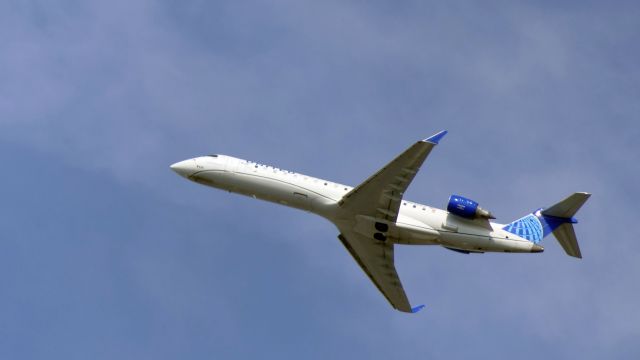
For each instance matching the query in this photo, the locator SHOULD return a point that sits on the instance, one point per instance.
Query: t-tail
(557, 219)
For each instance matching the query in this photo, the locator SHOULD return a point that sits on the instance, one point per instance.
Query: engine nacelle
(467, 208)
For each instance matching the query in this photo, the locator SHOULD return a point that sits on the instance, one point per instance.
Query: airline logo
(528, 227)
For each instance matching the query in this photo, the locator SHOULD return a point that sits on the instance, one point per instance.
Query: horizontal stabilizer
(567, 239)
(417, 308)
(559, 218)
(567, 207)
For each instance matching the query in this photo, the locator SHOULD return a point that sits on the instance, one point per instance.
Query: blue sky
(108, 254)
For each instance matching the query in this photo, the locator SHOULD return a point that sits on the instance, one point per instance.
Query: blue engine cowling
(467, 208)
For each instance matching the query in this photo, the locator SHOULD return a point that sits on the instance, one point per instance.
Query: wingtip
(416, 309)
(434, 139)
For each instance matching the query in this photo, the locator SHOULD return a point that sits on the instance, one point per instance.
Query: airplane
(374, 216)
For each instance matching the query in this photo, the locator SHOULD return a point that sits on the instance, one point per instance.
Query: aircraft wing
(376, 260)
(381, 194)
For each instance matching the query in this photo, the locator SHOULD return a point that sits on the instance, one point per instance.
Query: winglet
(434, 139)
(416, 309)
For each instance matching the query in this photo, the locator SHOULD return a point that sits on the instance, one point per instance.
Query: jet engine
(467, 208)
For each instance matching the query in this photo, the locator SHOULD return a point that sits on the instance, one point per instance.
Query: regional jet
(374, 216)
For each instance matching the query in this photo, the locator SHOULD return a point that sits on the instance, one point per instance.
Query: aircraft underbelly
(408, 234)
(482, 243)
(466, 241)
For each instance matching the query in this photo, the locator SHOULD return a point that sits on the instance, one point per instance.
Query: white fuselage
(416, 223)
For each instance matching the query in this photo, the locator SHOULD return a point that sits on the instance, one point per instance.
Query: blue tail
(557, 219)
(536, 226)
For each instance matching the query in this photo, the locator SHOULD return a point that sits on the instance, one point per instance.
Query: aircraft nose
(184, 168)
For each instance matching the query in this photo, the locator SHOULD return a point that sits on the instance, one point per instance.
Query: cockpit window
(214, 155)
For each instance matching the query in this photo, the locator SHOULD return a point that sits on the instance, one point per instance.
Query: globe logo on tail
(528, 227)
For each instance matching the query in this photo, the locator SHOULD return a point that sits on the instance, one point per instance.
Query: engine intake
(467, 208)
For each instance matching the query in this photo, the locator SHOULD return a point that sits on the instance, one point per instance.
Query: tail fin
(557, 219)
